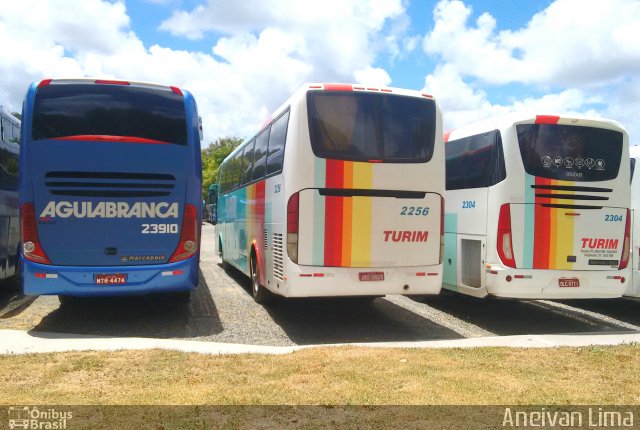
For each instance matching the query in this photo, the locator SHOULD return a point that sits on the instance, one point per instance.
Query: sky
(242, 59)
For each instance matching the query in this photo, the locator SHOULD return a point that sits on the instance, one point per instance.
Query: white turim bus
(633, 290)
(340, 194)
(537, 207)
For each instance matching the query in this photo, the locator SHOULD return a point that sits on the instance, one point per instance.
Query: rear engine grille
(278, 256)
(109, 184)
(547, 193)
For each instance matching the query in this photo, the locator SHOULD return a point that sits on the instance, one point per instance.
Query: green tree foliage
(212, 157)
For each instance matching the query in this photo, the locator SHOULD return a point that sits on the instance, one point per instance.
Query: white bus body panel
(465, 224)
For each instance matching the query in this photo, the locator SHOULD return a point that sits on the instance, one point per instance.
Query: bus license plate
(371, 276)
(111, 279)
(569, 282)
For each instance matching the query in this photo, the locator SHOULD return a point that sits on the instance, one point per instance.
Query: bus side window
(475, 161)
(246, 163)
(260, 155)
(236, 171)
(275, 153)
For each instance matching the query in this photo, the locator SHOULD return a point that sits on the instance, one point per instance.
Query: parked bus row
(341, 193)
(536, 206)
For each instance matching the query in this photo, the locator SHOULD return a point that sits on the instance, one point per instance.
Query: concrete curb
(22, 342)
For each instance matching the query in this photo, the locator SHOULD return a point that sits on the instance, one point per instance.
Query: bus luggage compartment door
(369, 228)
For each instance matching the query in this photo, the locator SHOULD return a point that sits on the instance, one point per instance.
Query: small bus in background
(110, 189)
(340, 194)
(633, 290)
(212, 203)
(537, 207)
(9, 214)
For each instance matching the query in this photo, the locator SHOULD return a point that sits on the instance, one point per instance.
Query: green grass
(328, 376)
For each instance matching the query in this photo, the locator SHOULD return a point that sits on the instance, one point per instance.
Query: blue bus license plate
(371, 276)
(111, 279)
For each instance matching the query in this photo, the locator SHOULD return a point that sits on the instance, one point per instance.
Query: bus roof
(327, 86)
(507, 120)
(66, 81)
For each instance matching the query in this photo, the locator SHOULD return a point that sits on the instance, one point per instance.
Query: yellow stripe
(564, 237)
(361, 215)
(553, 234)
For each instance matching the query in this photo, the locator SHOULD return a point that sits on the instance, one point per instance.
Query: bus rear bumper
(556, 284)
(40, 279)
(305, 281)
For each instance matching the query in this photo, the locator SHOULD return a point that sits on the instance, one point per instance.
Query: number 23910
(159, 228)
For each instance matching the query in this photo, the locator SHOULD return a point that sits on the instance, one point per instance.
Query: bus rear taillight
(505, 245)
(188, 244)
(624, 260)
(29, 230)
(293, 213)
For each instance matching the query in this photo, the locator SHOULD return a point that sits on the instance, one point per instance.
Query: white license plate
(569, 282)
(111, 279)
(371, 276)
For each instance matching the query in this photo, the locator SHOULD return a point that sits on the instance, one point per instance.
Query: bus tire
(223, 264)
(180, 297)
(16, 279)
(260, 293)
(67, 301)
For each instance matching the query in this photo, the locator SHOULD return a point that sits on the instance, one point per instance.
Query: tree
(212, 158)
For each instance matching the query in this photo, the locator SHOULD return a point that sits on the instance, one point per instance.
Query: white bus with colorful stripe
(633, 290)
(340, 194)
(537, 207)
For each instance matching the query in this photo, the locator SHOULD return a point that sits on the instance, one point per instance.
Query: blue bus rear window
(67, 110)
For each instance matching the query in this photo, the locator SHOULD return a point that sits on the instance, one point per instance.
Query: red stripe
(541, 230)
(547, 119)
(333, 215)
(446, 135)
(338, 87)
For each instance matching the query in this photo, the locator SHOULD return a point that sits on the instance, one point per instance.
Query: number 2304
(414, 210)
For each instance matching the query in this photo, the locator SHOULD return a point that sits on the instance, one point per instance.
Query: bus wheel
(221, 255)
(260, 294)
(17, 277)
(68, 301)
(180, 297)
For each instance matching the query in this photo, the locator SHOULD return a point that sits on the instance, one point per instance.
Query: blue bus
(110, 189)
(9, 219)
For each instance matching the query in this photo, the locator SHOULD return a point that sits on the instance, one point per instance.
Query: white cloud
(463, 104)
(582, 53)
(373, 77)
(268, 50)
(340, 35)
(585, 41)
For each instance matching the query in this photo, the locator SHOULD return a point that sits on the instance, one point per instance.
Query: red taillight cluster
(188, 244)
(293, 214)
(31, 248)
(624, 260)
(504, 243)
